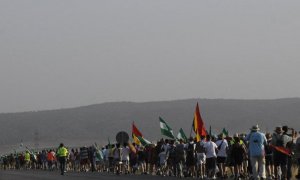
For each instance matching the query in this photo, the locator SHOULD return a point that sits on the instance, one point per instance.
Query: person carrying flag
(280, 153)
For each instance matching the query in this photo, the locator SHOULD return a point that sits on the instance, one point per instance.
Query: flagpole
(191, 130)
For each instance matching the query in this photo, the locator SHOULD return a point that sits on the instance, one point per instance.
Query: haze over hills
(97, 123)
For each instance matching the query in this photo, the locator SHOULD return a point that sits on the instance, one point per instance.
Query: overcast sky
(59, 53)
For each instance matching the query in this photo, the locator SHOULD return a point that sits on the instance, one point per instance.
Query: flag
(143, 141)
(282, 150)
(198, 124)
(181, 135)
(136, 131)
(136, 139)
(225, 132)
(135, 134)
(165, 129)
(99, 153)
(109, 145)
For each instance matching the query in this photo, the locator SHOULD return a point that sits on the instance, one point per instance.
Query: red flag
(198, 124)
(135, 131)
(135, 134)
(282, 149)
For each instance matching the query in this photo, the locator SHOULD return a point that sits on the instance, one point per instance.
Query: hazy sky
(60, 53)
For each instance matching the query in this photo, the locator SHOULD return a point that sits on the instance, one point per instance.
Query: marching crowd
(252, 156)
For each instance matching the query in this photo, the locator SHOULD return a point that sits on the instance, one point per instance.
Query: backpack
(190, 150)
(279, 141)
(268, 148)
(179, 150)
(172, 153)
(200, 147)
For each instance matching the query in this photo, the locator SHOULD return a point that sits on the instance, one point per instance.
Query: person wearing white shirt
(222, 153)
(211, 150)
(125, 158)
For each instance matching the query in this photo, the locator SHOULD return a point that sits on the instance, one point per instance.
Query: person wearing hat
(257, 141)
(280, 140)
(289, 146)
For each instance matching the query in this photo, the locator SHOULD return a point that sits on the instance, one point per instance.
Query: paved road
(46, 175)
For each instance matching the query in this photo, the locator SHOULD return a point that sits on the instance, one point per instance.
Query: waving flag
(165, 129)
(282, 150)
(136, 134)
(181, 135)
(225, 132)
(143, 141)
(198, 124)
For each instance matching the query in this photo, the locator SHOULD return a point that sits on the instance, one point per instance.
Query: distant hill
(97, 123)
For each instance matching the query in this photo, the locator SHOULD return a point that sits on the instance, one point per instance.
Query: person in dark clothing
(238, 155)
(279, 139)
(92, 157)
(141, 157)
(289, 146)
(269, 157)
(180, 158)
(190, 157)
(84, 156)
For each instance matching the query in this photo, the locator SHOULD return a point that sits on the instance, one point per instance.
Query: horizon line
(154, 101)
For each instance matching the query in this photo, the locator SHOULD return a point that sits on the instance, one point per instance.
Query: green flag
(143, 141)
(165, 129)
(99, 153)
(109, 145)
(181, 135)
(225, 132)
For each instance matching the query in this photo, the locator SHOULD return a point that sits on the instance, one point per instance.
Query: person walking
(269, 157)
(280, 140)
(222, 154)
(238, 155)
(289, 146)
(257, 141)
(27, 159)
(201, 157)
(297, 154)
(211, 150)
(180, 158)
(62, 153)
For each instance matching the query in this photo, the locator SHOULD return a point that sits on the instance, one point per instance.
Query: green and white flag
(225, 132)
(143, 141)
(165, 129)
(181, 135)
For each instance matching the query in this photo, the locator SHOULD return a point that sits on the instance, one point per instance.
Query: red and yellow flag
(282, 150)
(135, 134)
(198, 124)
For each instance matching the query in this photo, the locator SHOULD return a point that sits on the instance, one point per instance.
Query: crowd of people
(255, 155)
